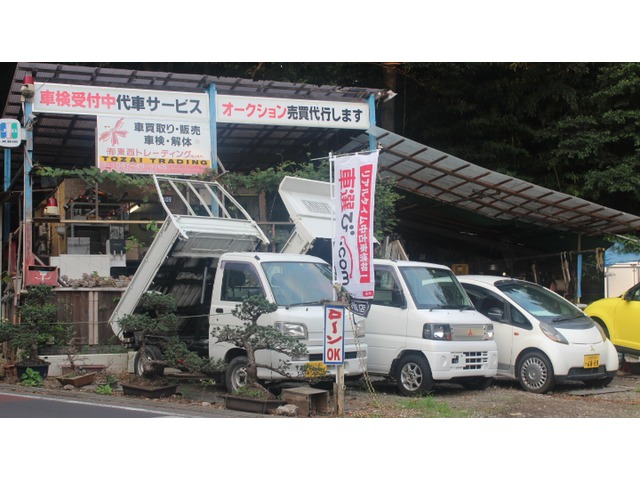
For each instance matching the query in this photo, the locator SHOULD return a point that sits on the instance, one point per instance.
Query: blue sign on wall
(9, 133)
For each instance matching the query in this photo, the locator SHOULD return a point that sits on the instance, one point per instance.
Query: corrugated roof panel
(446, 178)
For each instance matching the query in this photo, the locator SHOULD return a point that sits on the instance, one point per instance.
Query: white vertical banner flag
(354, 187)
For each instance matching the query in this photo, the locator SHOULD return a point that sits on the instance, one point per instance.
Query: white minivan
(542, 338)
(422, 328)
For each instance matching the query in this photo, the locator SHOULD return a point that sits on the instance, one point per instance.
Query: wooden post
(339, 390)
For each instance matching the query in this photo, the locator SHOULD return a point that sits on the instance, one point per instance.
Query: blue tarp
(612, 256)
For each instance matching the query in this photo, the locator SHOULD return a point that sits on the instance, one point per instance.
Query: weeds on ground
(31, 378)
(429, 407)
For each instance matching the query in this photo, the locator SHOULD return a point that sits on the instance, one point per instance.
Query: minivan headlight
(552, 333)
(436, 331)
(359, 328)
(293, 330)
(488, 331)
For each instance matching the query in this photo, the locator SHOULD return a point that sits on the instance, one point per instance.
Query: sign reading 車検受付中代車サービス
(90, 100)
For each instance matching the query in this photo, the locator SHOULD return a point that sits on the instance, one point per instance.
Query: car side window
(635, 295)
(518, 319)
(485, 301)
(387, 290)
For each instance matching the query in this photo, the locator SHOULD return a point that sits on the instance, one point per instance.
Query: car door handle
(219, 310)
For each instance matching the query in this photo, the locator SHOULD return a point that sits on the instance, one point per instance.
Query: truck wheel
(414, 376)
(477, 383)
(535, 373)
(236, 374)
(153, 353)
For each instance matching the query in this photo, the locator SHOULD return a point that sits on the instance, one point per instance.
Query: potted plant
(251, 337)
(38, 327)
(78, 376)
(154, 329)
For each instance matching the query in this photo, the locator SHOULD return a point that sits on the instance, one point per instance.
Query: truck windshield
(299, 283)
(433, 288)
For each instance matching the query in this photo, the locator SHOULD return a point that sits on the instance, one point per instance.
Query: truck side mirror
(495, 314)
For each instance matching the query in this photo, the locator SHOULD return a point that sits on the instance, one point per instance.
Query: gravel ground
(504, 399)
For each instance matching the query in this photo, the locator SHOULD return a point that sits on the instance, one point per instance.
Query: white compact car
(542, 338)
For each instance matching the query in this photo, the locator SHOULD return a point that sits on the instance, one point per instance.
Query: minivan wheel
(414, 376)
(236, 374)
(535, 373)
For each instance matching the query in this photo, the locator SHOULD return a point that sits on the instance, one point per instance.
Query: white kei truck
(421, 325)
(205, 255)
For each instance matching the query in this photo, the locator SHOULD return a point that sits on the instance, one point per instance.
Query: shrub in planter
(252, 337)
(38, 327)
(154, 326)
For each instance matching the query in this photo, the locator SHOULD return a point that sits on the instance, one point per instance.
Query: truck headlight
(436, 331)
(293, 330)
(552, 333)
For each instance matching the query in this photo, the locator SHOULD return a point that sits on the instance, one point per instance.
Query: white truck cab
(421, 326)
(300, 285)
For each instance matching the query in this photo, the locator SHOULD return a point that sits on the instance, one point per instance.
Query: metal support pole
(373, 140)
(6, 225)
(214, 138)
(27, 213)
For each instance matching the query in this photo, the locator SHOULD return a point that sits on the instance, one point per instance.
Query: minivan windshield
(435, 288)
(543, 304)
(299, 283)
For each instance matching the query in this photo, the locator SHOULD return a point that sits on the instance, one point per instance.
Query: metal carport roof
(503, 210)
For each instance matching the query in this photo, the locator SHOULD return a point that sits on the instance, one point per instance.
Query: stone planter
(148, 392)
(254, 405)
(78, 380)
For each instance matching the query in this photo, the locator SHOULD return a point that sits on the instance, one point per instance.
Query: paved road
(31, 402)
(18, 405)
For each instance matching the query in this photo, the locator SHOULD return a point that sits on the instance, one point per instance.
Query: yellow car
(620, 319)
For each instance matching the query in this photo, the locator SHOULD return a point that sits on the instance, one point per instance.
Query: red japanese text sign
(354, 193)
(333, 353)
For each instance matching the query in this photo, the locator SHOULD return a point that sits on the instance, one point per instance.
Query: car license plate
(592, 361)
